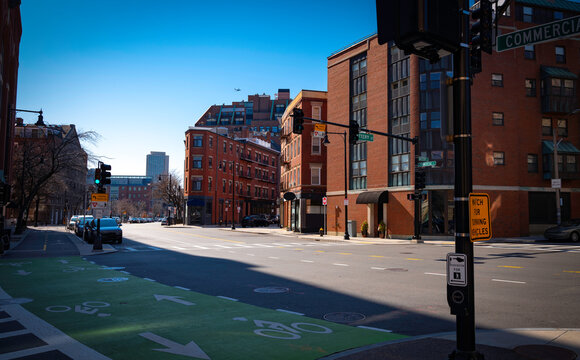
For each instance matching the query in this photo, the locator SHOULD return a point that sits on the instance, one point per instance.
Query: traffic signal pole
(463, 299)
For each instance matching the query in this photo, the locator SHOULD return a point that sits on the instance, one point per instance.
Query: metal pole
(418, 196)
(233, 196)
(465, 315)
(556, 176)
(346, 235)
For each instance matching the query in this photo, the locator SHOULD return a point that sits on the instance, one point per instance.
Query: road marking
(175, 299)
(290, 312)
(130, 249)
(436, 274)
(178, 248)
(223, 246)
(509, 281)
(510, 267)
(298, 249)
(182, 288)
(570, 271)
(344, 253)
(374, 328)
(250, 254)
(200, 247)
(338, 264)
(273, 257)
(125, 272)
(376, 256)
(320, 251)
(227, 298)
(307, 261)
(413, 259)
(189, 350)
(378, 268)
(149, 279)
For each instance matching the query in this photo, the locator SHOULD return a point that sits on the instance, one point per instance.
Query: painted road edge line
(182, 288)
(374, 328)
(436, 274)
(149, 279)
(227, 298)
(290, 312)
(509, 281)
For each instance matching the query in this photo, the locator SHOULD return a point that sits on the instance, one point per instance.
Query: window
(225, 147)
(562, 127)
(571, 163)
(316, 112)
(560, 54)
(529, 52)
(196, 183)
(531, 87)
(546, 126)
(198, 141)
(497, 80)
(532, 163)
(223, 186)
(209, 184)
(498, 158)
(497, 119)
(358, 168)
(211, 142)
(315, 145)
(210, 162)
(528, 14)
(315, 175)
(197, 162)
(558, 15)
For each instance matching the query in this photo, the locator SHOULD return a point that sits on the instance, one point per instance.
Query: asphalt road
(401, 288)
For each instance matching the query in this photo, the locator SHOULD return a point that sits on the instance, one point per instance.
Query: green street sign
(365, 137)
(427, 163)
(538, 34)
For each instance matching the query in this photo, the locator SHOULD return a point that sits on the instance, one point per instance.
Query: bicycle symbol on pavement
(88, 308)
(278, 330)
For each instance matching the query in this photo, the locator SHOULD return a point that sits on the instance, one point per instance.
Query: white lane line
(14, 333)
(375, 329)
(264, 245)
(273, 257)
(153, 248)
(182, 288)
(509, 281)
(338, 264)
(436, 274)
(178, 248)
(306, 261)
(251, 254)
(227, 298)
(290, 312)
(130, 249)
(125, 272)
(200, 247)
(223, 246)
(378, 268)
(149, 279)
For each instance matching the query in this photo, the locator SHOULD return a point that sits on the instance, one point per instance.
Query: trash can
(352, 228)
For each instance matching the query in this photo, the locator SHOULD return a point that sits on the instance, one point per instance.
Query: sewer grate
(545, 352)
(344, 317)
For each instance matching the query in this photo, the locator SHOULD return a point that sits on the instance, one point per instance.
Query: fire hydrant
(321, 231)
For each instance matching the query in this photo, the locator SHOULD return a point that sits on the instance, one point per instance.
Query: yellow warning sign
(320, 127)
(99, 197)
(479, 219)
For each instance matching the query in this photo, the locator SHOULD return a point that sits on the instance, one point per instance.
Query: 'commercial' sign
(539, 34)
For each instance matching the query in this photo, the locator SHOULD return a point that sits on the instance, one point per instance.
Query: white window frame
(315, 172)
(316, 144)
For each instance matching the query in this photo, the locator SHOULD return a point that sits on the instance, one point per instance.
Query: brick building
(259, 117)
(303, 165)
(223, 174)
(137, 190)
(519, 101)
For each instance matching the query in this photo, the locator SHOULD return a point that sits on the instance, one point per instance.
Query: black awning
(373, 197)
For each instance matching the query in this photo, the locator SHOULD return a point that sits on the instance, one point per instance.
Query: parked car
(255, 220)
(109, 229)
(567, 230)
(79, 225)
(274, 219)
(164, 222)
(72, 222)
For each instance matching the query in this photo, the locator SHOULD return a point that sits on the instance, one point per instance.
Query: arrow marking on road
(23, 273)
(191, 349)
(176, 299)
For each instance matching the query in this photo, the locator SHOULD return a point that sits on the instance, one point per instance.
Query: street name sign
(427, 163)
(479, 219)
(456, 269)
(365, 137)
(99, 197)
(538, 34)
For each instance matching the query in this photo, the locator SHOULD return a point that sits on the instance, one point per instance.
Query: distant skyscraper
(157, 164)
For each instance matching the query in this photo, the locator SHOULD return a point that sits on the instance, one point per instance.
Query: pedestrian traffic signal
(105, 178)
(353, 132)
(298, 123)
(97, 176)
(419, 179)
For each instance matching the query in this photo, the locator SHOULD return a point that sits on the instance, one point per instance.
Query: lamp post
(326, 142)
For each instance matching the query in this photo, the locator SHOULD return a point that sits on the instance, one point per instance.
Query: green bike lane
(126, 317)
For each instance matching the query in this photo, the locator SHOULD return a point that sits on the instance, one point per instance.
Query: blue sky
(140, 72)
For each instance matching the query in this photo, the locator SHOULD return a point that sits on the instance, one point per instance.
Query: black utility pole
(464, 297)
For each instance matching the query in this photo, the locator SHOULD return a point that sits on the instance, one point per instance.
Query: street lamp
(326, 142)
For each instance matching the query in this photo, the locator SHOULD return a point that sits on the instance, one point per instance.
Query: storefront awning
(564, 147)
(557, 72)
(372, 197)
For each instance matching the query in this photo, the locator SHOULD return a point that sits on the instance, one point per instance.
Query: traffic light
(419, 179)
(298, 123)
(353, 132)
(105, 178)
(98, 176)
(481, 33)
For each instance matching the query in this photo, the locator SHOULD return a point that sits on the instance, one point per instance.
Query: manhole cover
(545, 352)
(115, 279)
(344, 317)
(397, 269)
(272, 290)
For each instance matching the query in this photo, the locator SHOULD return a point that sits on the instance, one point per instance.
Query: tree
(46, 158)
(168, 188)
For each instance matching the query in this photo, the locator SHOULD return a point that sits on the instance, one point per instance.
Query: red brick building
(223, 174)
(522, 97)
(303, 165)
